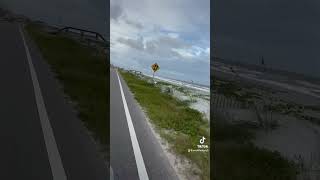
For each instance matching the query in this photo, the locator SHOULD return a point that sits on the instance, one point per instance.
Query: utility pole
(263, 63)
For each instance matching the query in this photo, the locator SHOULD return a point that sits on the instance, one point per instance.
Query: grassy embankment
(235, 157)
(180, 125)
(83, 75)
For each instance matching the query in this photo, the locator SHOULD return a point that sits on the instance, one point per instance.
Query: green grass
(83, 74)
(186, 126)
(163, 83)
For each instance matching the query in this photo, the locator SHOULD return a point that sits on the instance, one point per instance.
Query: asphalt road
(38, 127)
(124, 152)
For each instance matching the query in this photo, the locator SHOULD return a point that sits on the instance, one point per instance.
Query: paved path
(130, 159)
(41, 136)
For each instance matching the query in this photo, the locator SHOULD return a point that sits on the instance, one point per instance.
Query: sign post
(155, 67)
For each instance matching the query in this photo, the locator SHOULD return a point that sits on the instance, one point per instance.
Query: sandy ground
(198, 103)
(294, 138)
(297, 140)
(203, 106)
(276, 81)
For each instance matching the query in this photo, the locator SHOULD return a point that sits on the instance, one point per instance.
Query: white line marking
(57, 170)
(143, 175)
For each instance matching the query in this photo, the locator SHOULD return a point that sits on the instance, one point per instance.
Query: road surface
(41, 136)
(135, 152)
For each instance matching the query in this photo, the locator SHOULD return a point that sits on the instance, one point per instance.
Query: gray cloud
(116, 10)
(151, 47)
(162, 46)
(165, 45)
(133, 43)
(133, 23)
(172, 42)
(171, 33)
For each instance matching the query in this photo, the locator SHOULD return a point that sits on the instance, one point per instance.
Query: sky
(86, 14)
(173, 33)
(285, 32)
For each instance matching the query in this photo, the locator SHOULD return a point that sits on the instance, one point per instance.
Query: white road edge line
(57, 169)
(143, 175)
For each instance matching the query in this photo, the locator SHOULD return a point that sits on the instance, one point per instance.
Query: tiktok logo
(202, 140)
(200, 147)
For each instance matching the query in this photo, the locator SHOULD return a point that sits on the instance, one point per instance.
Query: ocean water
(86, 14)
(195, 86)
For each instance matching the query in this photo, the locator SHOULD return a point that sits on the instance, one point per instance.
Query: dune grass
(236, 157)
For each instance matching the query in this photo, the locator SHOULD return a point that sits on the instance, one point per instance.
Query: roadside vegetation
(84, 77)
(249, 95)
(234, 155)
(180, 125)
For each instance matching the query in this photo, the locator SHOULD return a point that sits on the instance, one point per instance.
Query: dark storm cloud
(115, 10)
(286, 32)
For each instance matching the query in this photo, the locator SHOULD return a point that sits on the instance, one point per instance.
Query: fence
(220, 101)
(260, 112)
(83, 33)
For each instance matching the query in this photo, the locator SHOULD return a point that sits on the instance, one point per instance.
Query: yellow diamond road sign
(155, 67)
